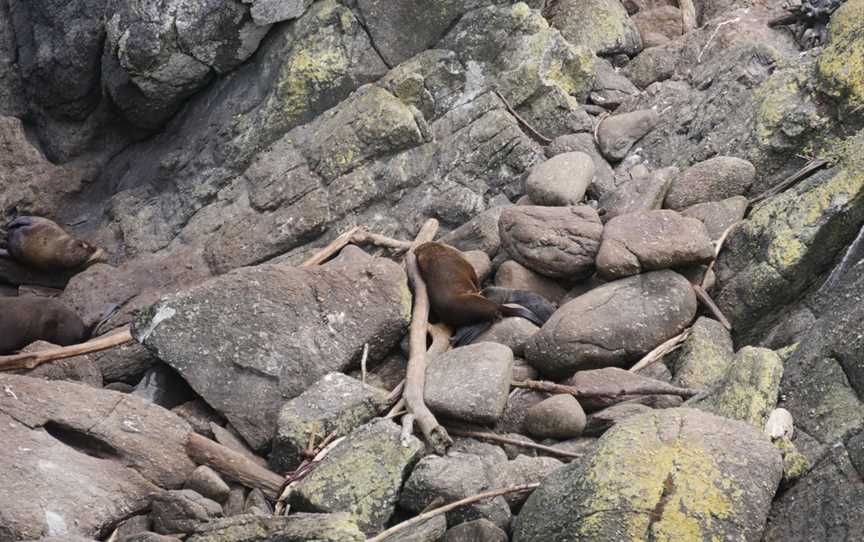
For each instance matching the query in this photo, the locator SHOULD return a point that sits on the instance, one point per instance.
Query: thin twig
(545, 140)
(718, 246)
(332, 248)
(452, 506)
(512, 441)
(713, 35)
(645, 389)
(306, 466)
(363, 363)
(808, 169)
(32, 359)
(712, 307)
(363, 237)
(657, 354)
(440, 343)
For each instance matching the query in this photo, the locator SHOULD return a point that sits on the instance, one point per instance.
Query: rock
(150, 537)
(641, 193)
(614, 324)
(601, 421)
(473, 446)
(511, 332)
(470, 383)
(604, 177)
(601, 25)
(834, 72)
(559, 417)
(795, 464)
(207, 482)
(663, 474)
(640, 241)
(511, 274)
(705, 356)
(618, 133)
(561, 180)
(181, 510)
(519, 402)
(663, 20)
(233, 506)
(749, 390)
(229, 437)
(480, 262)
(431, 530)
(126, 363)
(716, 179)
(718, 215)
(479, 233)
(191, 331)
(526, 470)
(610, 87)
(199, 415)
(256, 503)
(250, 528)
(612, 377)
(375, 460)
(453, 477)
(335, 403)
(267, 12)
(479, 530)
(77, 369)
(142, 436)
(558, 242)
(133, 526)
(779, 424)
(162, 386)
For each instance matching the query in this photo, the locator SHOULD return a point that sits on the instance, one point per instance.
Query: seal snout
(99, 256)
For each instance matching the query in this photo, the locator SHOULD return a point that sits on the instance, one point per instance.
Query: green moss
(841, 65)
(795, 464)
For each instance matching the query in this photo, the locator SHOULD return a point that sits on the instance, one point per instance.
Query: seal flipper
(466, 334)
(535, 303)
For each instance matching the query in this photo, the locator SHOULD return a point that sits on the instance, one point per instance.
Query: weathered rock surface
(266, 12)
(512, 332)
(479, 530)
(718, 216)
(181, 511)
(558, 242)
(82, 369)
(479, 233)
(705, 356)
(604, 176)
(651, 240)
(601, 25)
(601, 421)
(471, 382)
(207, 483)
(663, 20)
(617, 134)
(610, 87)
(614, 324)
(561, 180)
(559, 417)
(665, 474)
(212, 334)
(716, 179)
(640, 193)
(375, 461)
(511, 274)
(303, 526)
(613, 377)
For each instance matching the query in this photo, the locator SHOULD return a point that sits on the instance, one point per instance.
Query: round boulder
(561, 180)
(558, 242)
(716, 179)
(558, 417)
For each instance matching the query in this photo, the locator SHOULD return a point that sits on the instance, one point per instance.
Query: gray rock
(199, 415)
(207, 482)
(601, 25)
(248, 382)
(181, 510)
(612, 377)
(601, 421)
(453, 477)
(431, 530)
(229, 437)
(518, 403)
(718, 215)
(479, 530)
(267, 12)
(511, 332)
(641, 193)
(558, 242)
(250, 528)
(162, 386)
(233, 506)
(614, 324)
(478, 447)
(610, 87)
(256, 503)
(470, 383)
(716, 179)
(604, 177)
(126, 363)
(526, 470)
(479, 233)
(150, 537)
(681, 466)
(481, 263)
(658, 25)
(618, 133)
(335, 403)
(561, 180)
(375, 461)
(511, 274)
(705, 356)
(82, 369)
(651, 240)
(559, 417)
(132, 526)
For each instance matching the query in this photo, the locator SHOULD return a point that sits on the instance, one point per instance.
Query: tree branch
(32, 359)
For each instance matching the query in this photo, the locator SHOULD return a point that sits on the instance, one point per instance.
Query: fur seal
(42, 244)
(24, 320)
(456, 299)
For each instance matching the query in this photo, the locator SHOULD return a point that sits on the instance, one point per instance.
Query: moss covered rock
(602, 26)
(841, 66)
(293, 528)
(705, 356)
(676, 474)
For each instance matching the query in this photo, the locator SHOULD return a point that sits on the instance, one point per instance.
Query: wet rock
(601, 421)
(511, 332)
(614, 324)
(162, 386)
(561, 180)
(641, 193)
(716, 179)
(207, 483)
(471, 382)
(559, 417)
(479, 530)
(705, 356)
(601, 25)
(655, 474)
(604, 177)
(82, 369)
(453, 477)
(375, 461)
(479, 233)
(249, 528)
(749, 390)
(511, 274)
(718, 215)
(267, 12)
(612, 377)
(558, 242)
(191, 331)
(610, 87)
(181, 510)
(618, 133)
(335, 403)
(641, 241)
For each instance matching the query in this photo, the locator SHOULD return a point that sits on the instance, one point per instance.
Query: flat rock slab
(253, 338)
(296, 527)
(651, 240)
(138, 434)
(613, 325)
(361, 475)
(558, 242)
(470, 383)
(677, 474)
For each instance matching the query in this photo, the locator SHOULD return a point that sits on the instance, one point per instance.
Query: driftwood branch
(597, 391)
(312, 455)
(32, 359)
(545, 140)
(809, 168)
(233, 464)
(440, 343)
(718, 246)
(452, 506)
(357, 235)
(657, 354)
(363, 237)
(512, 441)
(712, 307)
(332, 248)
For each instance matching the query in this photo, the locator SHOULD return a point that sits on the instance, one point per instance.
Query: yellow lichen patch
(841, 65)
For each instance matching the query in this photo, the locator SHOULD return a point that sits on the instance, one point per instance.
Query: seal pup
(456, 299)
(42, 244)
(27, 319)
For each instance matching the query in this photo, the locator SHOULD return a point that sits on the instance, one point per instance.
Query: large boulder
(840, 65)
(303, 526)
(676, 474)
(561, 180)
(601, 25)
(719, 178)
(251, 339)
(640, 193)
(614, 324)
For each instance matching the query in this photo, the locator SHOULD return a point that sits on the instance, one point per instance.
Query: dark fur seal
(24, 320)
(456, 299)
(40, 243)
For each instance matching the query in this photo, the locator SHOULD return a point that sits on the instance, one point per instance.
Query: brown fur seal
(455, 296)
(24, 320)
(40, 243)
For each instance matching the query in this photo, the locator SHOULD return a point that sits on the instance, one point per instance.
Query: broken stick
(712, 307)
(33, 359)
(440, 343)
(657, 354)
(642, 389)
(234, 465)
(332, 248)
(513, 442)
